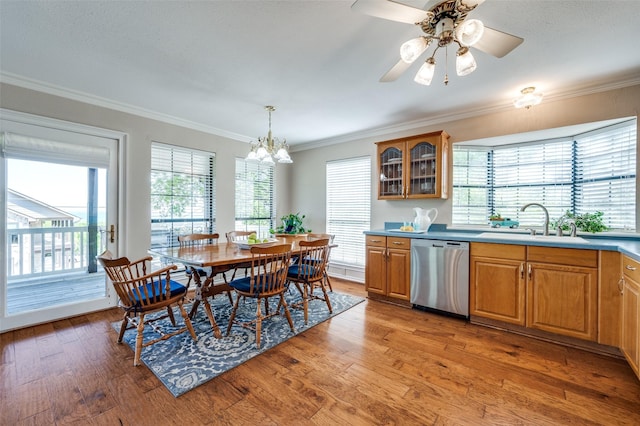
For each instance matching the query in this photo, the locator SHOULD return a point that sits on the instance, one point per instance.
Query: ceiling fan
(442, 23)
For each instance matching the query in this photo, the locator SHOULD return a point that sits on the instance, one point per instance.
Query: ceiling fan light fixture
(426, 71)
(411, 49)
(470, 32)
(528, 98)
(465, 62)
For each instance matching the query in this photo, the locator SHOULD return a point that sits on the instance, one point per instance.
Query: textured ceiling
(214, 65)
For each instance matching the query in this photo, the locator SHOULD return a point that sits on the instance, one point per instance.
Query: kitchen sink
(528, 237)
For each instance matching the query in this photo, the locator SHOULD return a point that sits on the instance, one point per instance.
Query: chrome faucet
(562, 222)
(546, 216)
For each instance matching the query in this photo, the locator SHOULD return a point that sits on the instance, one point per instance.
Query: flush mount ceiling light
(269, 148)
(443, 24)
(528, 98)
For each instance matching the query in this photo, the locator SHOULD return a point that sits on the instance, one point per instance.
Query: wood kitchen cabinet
(497, 282)
(415, 167)
(562, 291)
(388, 266)
(630, 341)
(544, 288)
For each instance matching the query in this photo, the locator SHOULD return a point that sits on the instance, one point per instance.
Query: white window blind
(605, 174)
(470, 180)
(254, 205)
(182, 193)
(349, 208)
(585, 173)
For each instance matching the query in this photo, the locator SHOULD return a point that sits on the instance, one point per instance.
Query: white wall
(309, 172)
(300, 186)
(141, 132)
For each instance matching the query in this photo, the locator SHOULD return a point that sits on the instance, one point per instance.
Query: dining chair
(331, 237)
(267, 279)
(308, 273)
(140, 293)
(201, 240)
(233, 236)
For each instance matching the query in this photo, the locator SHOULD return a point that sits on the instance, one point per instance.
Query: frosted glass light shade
(528, 98)
(465, 62)
(425, 73)
(410, 50)
(251, 156)
(469, 32)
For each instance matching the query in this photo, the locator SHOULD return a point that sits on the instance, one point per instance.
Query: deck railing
(34, 252)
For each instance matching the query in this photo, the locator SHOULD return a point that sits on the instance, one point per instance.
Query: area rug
(182, 364)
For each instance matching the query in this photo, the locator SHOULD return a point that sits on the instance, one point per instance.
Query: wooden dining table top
(220, 254)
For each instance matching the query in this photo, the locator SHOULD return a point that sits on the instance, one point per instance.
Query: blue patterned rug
(182, 364)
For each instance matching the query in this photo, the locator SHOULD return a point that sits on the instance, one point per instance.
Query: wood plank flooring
(374, 364)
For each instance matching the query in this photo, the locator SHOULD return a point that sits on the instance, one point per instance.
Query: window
(182, 193)
(590, 172)
(349, 208)
(255, 209)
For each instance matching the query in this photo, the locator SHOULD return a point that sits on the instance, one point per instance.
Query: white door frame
(11, 120)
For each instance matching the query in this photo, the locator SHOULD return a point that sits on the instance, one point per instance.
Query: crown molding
(496, 107)
(51, 89)
(374, 133)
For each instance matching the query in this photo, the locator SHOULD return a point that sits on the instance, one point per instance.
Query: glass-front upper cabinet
(414, 167)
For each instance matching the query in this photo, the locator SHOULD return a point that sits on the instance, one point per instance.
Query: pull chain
(446, 65)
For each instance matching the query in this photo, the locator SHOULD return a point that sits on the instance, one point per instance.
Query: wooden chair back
(313, 260)
(137, 289)
(330, 237)
(233, 235)
(191, 240)
(269, 266)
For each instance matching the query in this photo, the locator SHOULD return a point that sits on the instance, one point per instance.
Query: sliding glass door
(60, 212)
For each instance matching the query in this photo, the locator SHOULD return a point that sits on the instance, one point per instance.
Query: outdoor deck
(36, 293)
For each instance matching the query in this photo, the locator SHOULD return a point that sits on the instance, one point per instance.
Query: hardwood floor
(374, 364)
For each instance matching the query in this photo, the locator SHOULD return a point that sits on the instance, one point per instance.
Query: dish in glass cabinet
(395, 160)
(427, 156)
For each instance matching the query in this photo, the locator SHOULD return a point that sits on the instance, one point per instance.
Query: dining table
(218, 258)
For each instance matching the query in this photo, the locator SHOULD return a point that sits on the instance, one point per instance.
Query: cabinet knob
(630, 268)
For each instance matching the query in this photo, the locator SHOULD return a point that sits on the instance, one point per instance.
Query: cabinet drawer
(399, 243)
(499, 251)
(563, 256)
(631, 268)
(376, 241)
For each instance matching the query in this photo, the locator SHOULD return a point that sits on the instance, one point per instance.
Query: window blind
(348, 184)
(594, 171)
(605, 174)
(182, 193)
(254, 191)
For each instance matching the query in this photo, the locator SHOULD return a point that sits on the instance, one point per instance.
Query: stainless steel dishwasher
(440, 276)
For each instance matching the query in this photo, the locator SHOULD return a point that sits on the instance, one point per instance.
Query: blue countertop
(629, 246)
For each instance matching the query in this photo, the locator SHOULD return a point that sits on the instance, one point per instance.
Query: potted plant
(291, 224)
(586, 222)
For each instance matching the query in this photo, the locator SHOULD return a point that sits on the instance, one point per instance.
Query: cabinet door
(630, 340)
(498, 289)
(427, 166)
(376, 270)
(562, 299)
(398, 273)
(391, 170)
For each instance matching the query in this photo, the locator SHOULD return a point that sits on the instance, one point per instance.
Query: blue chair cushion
(301, 270)
(175, 289)
(201, 272)
(244, 284)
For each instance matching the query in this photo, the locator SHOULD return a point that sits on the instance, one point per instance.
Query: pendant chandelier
(269, 149)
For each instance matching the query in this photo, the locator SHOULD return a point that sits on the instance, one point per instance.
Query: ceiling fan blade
(497, 43)
(395, 72)
(390, 10)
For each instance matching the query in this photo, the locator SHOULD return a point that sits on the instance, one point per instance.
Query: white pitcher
(424, 218)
